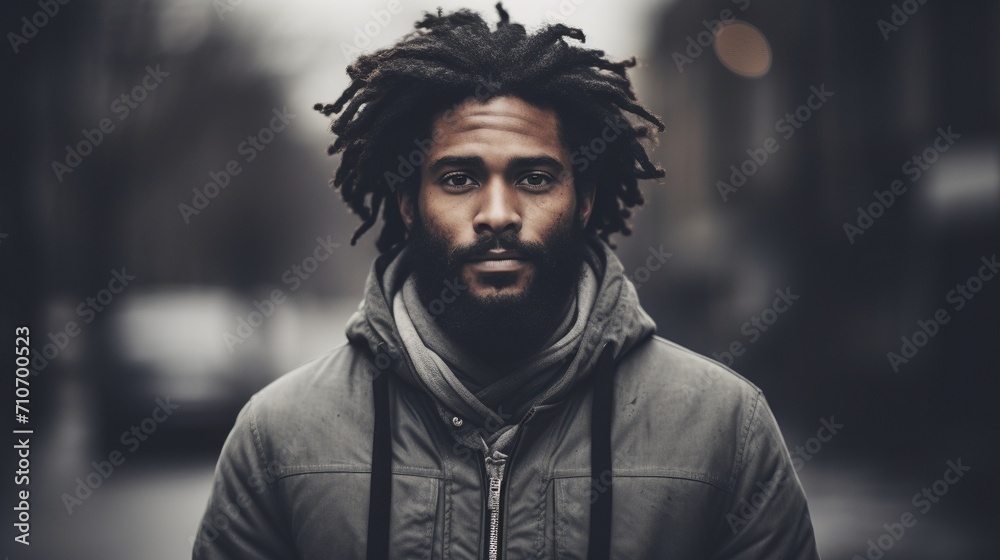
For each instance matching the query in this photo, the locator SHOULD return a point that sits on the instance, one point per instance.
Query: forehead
(502, 124)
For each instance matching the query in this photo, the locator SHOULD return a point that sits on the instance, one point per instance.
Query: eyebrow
(455, 161)
(536, 161)
(476, 161)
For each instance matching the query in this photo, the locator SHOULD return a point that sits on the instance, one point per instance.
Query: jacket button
(457, 422)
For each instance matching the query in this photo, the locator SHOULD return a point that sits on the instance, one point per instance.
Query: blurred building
(895, 86)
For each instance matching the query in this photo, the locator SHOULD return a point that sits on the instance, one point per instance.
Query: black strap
(599, 547)
(380, 491)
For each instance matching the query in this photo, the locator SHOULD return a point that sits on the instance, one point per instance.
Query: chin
(507, 294)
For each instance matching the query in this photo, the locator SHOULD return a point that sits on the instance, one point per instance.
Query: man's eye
(535, 180)
(457, 180)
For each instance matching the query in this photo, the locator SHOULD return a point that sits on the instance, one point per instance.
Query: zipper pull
(494, 469)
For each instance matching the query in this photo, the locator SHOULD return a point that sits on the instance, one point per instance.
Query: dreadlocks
(385, 128)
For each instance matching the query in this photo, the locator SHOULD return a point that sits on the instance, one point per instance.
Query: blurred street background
(164, 173)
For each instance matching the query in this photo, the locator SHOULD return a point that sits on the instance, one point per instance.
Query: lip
(498, 261)
(497, 255)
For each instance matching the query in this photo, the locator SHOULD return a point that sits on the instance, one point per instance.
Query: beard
(500, 328)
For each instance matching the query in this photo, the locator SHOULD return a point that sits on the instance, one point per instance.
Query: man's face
(497, 210)
(497, 194)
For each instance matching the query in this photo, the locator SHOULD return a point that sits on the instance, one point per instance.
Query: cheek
(444, 217)
(554, 214)
(429, 207)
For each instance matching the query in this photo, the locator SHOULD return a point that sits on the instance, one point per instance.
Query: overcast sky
(310, 42)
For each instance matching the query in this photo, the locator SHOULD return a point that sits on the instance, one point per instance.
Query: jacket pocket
(330, 514)
(571, 517)
(655, 516)
(413, 517)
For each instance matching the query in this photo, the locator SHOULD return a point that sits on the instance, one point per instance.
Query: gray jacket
(697, 467)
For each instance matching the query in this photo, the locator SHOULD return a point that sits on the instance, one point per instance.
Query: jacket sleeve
(767, 516)
(243, 519)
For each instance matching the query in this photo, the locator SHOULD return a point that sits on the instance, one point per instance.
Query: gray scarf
(499, 397)
(609, 314)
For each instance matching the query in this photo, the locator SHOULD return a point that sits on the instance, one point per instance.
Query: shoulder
(680, 405)
(305, 416)
(665, 369)
(332, 380)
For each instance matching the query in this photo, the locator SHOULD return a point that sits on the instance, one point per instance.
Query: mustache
(506, 240)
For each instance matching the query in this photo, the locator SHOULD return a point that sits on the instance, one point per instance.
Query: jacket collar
(616, 320)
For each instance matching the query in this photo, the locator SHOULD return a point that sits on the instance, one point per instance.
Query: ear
(405, 200)
(585, 204)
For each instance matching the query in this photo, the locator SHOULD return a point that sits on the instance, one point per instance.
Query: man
(502, 394)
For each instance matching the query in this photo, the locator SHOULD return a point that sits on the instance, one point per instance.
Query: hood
(616, 319)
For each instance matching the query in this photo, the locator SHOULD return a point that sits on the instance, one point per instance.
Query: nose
(498, 209)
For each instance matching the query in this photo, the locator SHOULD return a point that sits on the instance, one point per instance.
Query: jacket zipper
(495, 467)
(494, 470)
